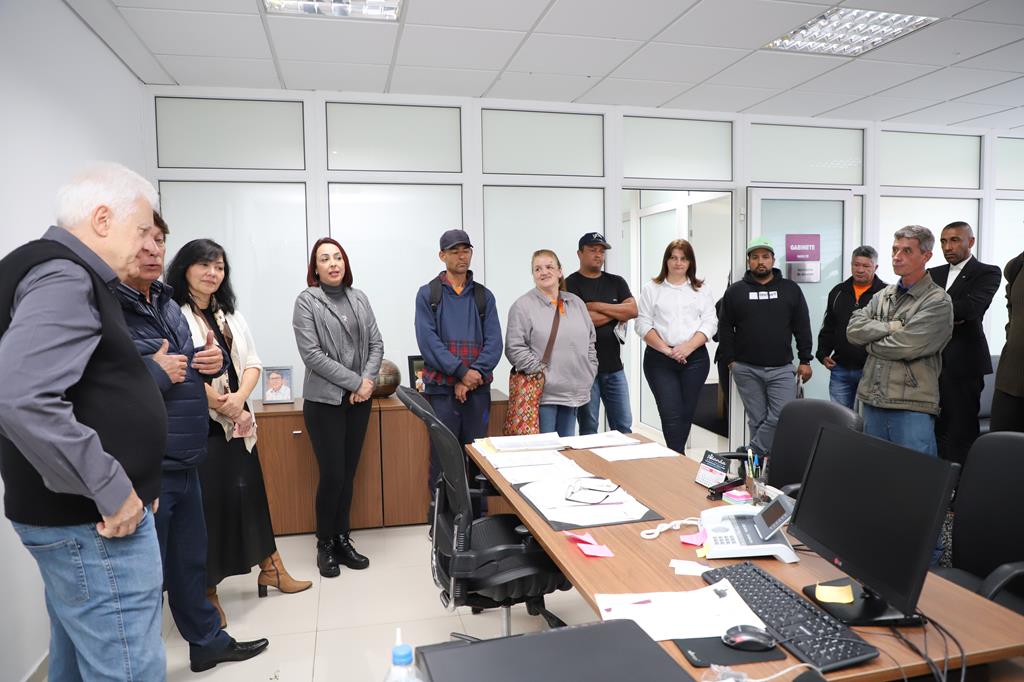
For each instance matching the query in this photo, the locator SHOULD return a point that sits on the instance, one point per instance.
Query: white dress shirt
(954, 271)
(676, 312)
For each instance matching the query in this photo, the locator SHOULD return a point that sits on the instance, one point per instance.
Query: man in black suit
(971, 285)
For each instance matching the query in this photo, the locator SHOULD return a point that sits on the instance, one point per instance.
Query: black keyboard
(806, 630)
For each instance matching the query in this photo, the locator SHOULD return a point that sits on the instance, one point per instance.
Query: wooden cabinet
(405, 464)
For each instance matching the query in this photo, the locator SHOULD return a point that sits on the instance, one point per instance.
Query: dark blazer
(839, 307)
(967, 352)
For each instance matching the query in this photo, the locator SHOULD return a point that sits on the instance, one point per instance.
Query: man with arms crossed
(83, 431)
(609, 303)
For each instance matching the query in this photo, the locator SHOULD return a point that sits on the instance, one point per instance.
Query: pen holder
(756, 487)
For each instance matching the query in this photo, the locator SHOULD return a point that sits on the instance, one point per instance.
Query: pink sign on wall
(803, 247)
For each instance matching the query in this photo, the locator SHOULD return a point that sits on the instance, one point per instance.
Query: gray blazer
(338, 354)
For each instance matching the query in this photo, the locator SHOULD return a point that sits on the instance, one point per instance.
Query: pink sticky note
(595, 550)
(696, 539)
(582, 538)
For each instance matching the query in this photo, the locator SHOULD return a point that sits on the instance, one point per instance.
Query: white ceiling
(967, 68)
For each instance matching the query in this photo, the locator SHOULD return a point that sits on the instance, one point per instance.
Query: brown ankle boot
(273, 574)
(211, 596)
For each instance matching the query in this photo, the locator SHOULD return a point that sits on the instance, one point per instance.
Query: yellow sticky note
(702, 552)
(834, 594)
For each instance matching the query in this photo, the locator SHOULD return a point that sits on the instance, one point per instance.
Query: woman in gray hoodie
(570, 372)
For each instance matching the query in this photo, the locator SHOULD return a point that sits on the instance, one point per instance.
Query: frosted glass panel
(393, 138)
(224, 133)
(928, 160)
(896, 212)
(520, 220)
(673, 148)
(391, 233)
(1009, 163)
(537, 143)
(262, 227)
(1008, 241)
(656, 231)
(831, 156)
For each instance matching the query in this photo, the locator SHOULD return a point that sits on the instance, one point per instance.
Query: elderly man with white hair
(83, 430)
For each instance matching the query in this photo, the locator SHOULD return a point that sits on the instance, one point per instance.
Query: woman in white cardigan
(234, 496)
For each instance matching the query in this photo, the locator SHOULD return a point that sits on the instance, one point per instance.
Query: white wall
(67, 100)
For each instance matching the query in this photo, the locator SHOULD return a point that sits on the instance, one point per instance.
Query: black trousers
(676, 388)
(1007, 412)
(337, 433)
(956, 427)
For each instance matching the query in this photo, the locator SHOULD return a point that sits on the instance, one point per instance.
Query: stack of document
(598, 440)
(635, 451)
(534, 441)
(548, 496)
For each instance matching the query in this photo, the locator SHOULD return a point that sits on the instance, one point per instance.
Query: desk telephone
(746, 530)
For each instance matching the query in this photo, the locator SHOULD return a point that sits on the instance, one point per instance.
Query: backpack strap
(479, 295)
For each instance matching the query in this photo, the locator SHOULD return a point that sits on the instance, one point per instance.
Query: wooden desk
(987, 632)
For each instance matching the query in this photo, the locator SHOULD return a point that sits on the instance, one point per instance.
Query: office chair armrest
(483, 486)
(792, 490)
(1000, 578)
(466, 564)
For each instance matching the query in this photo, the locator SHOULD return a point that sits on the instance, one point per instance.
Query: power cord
(963, 655)
(721, 673)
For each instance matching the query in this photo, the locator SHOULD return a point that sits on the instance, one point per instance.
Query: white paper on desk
(598, 440)
(548, 496)
(526, 474)
(502, 460)
(533, 441)
(707, 612)
(684, 567)
(638, 451)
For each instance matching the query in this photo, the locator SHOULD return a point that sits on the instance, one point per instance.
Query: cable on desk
(722, 673)
(963, 654)
(936, 673)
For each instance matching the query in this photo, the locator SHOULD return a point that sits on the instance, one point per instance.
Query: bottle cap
(401, 655)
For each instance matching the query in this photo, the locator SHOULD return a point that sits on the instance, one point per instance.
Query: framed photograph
(416, 372)
(277, 385)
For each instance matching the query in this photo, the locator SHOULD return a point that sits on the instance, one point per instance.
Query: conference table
(988, 632)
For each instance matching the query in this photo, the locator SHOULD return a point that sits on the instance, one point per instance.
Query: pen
(750, 461)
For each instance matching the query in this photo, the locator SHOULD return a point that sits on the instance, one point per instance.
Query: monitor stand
(867, 608)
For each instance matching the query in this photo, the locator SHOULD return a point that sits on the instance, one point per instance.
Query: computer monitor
(873, 509)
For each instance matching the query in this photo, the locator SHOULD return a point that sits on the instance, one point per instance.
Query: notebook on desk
(612, 651)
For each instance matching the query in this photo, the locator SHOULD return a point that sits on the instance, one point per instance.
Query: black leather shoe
(326, 559)
(346, 555)
(202, 659)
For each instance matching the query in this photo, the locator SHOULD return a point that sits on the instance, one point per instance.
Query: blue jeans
(467, 421)
(611, 387)
(914, 430)
(560, 418)
(842, 385)
(676, 387)
(104, 600)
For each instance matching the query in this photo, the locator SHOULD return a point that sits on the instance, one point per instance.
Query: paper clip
(653, 533)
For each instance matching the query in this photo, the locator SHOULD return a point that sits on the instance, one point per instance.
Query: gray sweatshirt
(573, 366)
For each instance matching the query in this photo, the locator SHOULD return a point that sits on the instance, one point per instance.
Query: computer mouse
(748, 638)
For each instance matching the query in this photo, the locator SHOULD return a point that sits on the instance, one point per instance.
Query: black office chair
(484, 563)
(988, 545)
(796, 435)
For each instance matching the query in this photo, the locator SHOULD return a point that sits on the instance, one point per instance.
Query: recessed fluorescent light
(848, 32)
(386, 10)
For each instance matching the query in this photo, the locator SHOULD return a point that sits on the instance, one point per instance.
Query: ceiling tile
(928, 8)
(1003, 120)
(221, 71)
(512, 16)
(800, 103)
(947, 42)
(456, 47)
(950, 83)
(611, 18)
(233, 6)
(633, 92)
(571, 55)
(737, 23)
(864, 77)
(299, 75)
(312, 39)
(1010, 94)
(1000, 11)
(877, 108)
(776, 69)
(543, 86)
(720, 98)
(427, 81)
(948, 113)
(202, 34)
(677, 63)
(112, 28)
(1008, 58)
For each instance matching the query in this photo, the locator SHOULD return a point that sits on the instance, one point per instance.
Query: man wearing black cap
(610, 303)
(459, 336)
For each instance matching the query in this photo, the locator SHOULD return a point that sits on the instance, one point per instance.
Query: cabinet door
(367, 497)
(289, 472)
(405, 457)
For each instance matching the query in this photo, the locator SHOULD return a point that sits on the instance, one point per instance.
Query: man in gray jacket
(904, 329)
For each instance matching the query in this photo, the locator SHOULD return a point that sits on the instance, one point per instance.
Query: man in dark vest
(83, 431)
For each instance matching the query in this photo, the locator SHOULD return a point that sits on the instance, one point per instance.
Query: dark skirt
(235, 505)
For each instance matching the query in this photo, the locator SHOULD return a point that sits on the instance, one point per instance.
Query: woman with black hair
(234, 496)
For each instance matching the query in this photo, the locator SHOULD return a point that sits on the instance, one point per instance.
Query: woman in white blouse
(676, 319)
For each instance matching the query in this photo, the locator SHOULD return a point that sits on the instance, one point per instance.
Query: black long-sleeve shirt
(758, 322)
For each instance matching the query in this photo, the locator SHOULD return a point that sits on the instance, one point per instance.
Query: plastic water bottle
(402, 668)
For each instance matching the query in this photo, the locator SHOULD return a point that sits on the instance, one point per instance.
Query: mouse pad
(702, 652)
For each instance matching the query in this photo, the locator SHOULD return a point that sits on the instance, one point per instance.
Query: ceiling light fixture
(848, 32)
(385, 10)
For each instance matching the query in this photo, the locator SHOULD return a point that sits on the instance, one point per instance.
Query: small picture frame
(277, 385)
(416, 372)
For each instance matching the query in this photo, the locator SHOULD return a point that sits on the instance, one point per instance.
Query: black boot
(325, 558)
(346, 554)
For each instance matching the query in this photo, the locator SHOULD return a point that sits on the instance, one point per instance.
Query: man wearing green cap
(760, 316)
